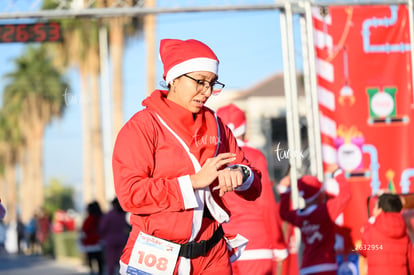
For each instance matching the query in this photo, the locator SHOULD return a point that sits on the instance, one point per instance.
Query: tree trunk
(38, 184)
(96, 137)
(26, 185)
(99, 177)
(116, 41)
(11, 181)
(86, 135)
(149, 31)
(35, 118)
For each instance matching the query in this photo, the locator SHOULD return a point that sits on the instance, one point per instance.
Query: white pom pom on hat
(184, 56)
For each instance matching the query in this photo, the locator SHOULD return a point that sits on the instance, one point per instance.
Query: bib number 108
(150, 260)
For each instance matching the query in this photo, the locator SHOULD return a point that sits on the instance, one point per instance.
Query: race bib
(152, 255)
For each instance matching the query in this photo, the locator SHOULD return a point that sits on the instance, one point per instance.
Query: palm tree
(119, 29)
(80, 48)
(35, 88)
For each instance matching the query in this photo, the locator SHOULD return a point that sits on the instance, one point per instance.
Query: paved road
(38, 265)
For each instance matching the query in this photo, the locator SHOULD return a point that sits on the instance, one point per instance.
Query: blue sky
(246, 43)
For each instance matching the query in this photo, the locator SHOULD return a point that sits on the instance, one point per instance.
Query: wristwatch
(245, 171)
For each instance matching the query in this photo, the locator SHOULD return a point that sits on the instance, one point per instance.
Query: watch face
(246, 172)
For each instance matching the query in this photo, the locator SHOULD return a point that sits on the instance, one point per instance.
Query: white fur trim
(192, 65)
(190, 200)
(239, 131)
(256, 254)
(215, 210)
(184, 267)
(318, 268)
(280, 254)
(283, 189)
(239, 244)
(310, 199)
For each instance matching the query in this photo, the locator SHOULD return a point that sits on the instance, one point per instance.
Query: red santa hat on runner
(184, 56)
(234, 118)
(309, 188)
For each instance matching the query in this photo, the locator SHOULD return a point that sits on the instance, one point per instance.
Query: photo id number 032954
(365, 247)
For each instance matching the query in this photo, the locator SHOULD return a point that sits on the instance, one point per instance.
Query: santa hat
(184, 56)
(234, 118)
(309, 187)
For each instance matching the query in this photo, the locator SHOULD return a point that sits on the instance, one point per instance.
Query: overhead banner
(366, 104)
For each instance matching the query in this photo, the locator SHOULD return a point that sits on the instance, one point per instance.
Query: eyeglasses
(214, 86)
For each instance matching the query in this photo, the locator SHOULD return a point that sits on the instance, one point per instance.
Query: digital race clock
(37, 32)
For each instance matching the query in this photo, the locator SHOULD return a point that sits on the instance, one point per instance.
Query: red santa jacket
(90, 237)
(258, 220)
(385, 244)
(154, 155)
(317, 226)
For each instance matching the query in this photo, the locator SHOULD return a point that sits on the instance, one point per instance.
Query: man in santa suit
(173, 162)
(258, 220)
(316, 220)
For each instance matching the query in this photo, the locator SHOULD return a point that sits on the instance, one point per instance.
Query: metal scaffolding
(16, 9)
(137, 10)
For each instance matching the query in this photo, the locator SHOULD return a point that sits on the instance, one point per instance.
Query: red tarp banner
(365, 94)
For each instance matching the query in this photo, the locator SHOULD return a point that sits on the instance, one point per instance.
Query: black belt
(193, 249)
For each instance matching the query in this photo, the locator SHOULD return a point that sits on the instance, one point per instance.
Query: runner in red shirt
(258, 220)
(385, 242)
(173, 162)
(316, 221)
